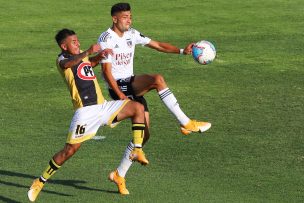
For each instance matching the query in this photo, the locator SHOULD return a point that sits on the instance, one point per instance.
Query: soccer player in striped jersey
(91, 109)
(122, 83)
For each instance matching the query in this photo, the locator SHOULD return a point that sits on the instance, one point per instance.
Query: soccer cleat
(138, 155)
(195, 126)
(119, 181)
(35, 190)
(113, 125)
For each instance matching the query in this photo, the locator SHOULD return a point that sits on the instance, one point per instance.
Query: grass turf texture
(252, 93)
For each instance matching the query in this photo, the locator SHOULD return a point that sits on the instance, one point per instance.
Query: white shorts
(87, 120)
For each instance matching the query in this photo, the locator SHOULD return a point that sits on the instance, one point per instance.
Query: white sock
(125, 162)
(171, 103)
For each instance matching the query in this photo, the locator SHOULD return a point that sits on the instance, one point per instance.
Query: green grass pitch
(252, 94)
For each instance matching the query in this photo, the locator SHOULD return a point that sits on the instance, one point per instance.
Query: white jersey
(123, 50)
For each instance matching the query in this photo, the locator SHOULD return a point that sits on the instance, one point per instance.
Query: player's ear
(63, 46)
(114, 18)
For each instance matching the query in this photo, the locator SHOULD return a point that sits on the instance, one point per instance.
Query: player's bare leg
(135, 111)
(55, 163)
(67, 152)
(147, 131)
(118, 176)
(144, 83)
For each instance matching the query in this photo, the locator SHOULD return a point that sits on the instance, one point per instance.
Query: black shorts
(125, 86)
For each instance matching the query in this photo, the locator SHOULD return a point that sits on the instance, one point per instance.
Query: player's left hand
(188, 49)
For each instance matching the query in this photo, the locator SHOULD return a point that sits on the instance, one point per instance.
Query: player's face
(71, 45)
(123, 20)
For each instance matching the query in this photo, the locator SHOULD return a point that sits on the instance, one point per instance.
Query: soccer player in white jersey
(122, 83)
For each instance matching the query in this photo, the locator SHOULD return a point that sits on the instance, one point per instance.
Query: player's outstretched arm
(75, 59)
(96, 59)
(169, 48)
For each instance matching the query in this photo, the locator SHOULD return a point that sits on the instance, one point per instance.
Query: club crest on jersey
(129, 43)
(85, 71)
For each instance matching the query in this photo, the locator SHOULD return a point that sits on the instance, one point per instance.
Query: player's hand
(105, 53)
(188, 49)
(94, 49)
(122, 96)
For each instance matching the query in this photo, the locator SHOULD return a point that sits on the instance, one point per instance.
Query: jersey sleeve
(60, 58)
(141, 39)
(105, 43)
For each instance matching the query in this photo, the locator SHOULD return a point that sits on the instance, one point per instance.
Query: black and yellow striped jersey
(82, 82)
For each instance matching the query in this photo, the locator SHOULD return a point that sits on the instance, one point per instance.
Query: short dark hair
(120, 7)
(62, 34)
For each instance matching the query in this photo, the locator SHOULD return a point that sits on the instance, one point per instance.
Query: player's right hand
(188, 49)
(122, 96)
(94, 49)
(105, 53)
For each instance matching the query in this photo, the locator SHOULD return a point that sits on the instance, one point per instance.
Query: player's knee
(137, 109)
(159, 79)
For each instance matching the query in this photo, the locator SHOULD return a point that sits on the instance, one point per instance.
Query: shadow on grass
(70, 183)
(5, 199)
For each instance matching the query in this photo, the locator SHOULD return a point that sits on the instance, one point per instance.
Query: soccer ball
(203, 52)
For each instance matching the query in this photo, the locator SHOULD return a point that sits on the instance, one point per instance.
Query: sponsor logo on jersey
(85, 71)
(116, 46)
(123, 58)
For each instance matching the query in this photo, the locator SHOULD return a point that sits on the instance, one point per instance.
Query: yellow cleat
(138, 155)
(119, 181)
(113, 125)
(195, 126)
(35, 190)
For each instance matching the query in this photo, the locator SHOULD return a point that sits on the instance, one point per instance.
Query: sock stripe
(53, 165)
(131, 144)
(41, 179)
(129, 147)
(138, 133)
(165, 94)
(50, 171)
(138, 126)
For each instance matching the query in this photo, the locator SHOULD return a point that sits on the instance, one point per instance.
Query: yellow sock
(49, 171)
(138, 133)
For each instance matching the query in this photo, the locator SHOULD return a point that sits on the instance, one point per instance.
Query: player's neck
(117, 31)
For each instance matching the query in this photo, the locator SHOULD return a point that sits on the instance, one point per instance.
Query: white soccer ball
(203, 52)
